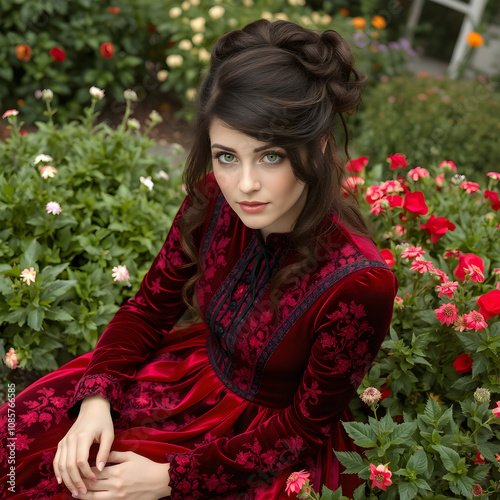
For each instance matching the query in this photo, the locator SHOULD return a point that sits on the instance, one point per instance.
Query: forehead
(220, 133)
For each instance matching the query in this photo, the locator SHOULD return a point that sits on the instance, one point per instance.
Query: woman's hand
(93, 425)
(134, 477)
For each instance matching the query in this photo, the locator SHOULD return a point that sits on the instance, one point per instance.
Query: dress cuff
(90, 385)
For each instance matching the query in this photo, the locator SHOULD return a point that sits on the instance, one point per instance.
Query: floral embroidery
(105, 385)
(346, 342)
(284, 453)
(310, 395)
(48, 485)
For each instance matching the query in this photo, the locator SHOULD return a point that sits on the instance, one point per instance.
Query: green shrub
(108, 218)
(434, 119)
(76, 29)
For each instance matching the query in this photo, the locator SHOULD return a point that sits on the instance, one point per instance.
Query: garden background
(97, 104)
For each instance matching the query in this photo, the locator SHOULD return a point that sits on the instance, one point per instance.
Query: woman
(295, 302)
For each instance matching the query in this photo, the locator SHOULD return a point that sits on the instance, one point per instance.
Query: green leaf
(449, 457)
(359, 493)
(30, 257)
(58, 314)
(418, 461)
(480, 366)
(56, 289)
(445, 418)
(403, 432)
(35, 318)
(52, 272)
(407, 491)
(352, 461)
(432, 410)
(470, 341)
(422, 484)
(361, 434)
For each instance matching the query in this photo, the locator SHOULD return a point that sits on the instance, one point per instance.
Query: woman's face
(256, 179)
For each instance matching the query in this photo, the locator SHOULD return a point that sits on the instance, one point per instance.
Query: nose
(248, 181)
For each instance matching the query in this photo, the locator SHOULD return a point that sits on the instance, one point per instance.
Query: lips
(252, 207)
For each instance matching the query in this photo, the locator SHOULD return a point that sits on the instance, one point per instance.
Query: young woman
(293, 297)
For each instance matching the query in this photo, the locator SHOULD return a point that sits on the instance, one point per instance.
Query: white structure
(473, 12)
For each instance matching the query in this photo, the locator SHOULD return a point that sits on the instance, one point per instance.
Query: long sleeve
(139, 324)
(347, 336)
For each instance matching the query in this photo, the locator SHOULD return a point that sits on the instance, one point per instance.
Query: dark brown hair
(290, 87)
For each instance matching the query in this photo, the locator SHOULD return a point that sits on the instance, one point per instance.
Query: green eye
(227, 158)
(273, 157)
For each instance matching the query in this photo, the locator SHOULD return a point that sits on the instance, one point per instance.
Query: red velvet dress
(235, 403)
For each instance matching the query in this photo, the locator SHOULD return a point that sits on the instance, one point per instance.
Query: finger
(119, 456)
(104, 449)
(55, 464)
(75, 455)
(63, 468)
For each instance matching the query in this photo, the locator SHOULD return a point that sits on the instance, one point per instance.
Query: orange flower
(359, 23)
(344, 12)
(114, 10)
(23, 52)
(107, 50)
(474, 39)
(379, 22)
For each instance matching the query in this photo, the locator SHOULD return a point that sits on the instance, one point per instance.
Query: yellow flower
(474, 39)
(185, 45)
(174, 60)
(359, 23)
(198, 38)
(162, 75)
(197, 24)
(191, 94)
(203, 55)
(175, 12)
(379, 22)
(216, 12)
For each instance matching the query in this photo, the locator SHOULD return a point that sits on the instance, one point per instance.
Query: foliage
(151, 46)
(77, 30)
(438, 436)
(436, 119)
(108, 218)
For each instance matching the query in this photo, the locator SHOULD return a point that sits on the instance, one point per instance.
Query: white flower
(198, 38)
(133, 123)
(42, 157)
(233, 22)
(175, 12)
(482, 395)
(48, 171)
(147, 182)
(120, 273)
(371, 395)
(155, 117)
(248, 3)
(53, 207)
(185, 45)
(191, 94)
(197, 24)
(185, 5)
(162, 75)
(174, 60)
(204, 55)
(195, 3)
(28, 275)
(96, 93)
(216, 12)
(47, 95)
(163, 175)
(130, 95)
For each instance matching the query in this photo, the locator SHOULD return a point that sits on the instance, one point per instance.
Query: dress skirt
(175, 403)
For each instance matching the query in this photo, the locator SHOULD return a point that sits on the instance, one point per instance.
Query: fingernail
(74, 493)
(58, 479)
(101, 466)
(82, 491)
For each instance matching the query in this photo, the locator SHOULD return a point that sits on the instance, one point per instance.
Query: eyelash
(217, 155)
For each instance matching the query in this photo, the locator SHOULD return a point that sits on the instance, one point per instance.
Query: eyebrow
(256, 150)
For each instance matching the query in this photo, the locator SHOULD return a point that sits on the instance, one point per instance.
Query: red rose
(357, 165)
(397, 160)
(493, 196)
(107, 50)
(388, 256)
(465, 260)
(437, 227)
(394, 200)
(23, 52)
(463, 363)
(57, 54)
(415, 202)
(114, 10)
(489, 304)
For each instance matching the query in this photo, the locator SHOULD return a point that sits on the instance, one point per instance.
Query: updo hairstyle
(289, 86)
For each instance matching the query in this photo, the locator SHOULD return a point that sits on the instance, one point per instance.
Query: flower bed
(427, 413)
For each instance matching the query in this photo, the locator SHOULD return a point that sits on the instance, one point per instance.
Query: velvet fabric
(240, 400)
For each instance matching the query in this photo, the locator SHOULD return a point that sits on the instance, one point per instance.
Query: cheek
(223, 178)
